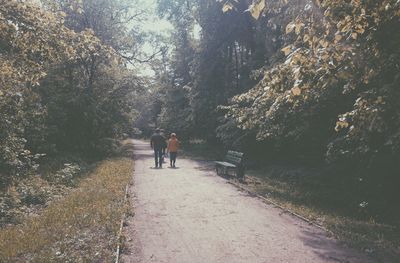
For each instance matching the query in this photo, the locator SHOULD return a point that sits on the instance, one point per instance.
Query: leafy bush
(67, 175)
(107, 146)
(33, 190)
(9, 202)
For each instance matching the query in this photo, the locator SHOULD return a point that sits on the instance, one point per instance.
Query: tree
(31, 39)
(334, 81)
(92, 98)
(209, 70)
(63, 87)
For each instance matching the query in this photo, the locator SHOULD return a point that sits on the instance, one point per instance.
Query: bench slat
(233, 159)
(226, 164)
(236, 154)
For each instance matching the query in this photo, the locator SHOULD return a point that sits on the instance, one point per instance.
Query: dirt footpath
(189, 215)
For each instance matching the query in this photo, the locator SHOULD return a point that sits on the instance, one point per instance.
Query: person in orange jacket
(172, 149)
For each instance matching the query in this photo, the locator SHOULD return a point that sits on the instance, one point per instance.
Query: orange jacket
(173, 145)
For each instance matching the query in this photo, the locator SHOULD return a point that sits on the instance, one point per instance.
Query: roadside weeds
(82, 227)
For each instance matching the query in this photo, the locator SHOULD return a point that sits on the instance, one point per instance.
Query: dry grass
(82, 227)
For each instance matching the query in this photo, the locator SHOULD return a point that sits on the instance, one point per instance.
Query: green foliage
(328, 48)
(334, 52)
(334, 88)
(67, 175)
(23, 62)
(63, 83)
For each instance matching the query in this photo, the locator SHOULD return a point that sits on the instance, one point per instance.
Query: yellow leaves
(338, 37)
(301, 57)
(290, 27)
(341, 124)
(356, 3)
(380, 100)
(298, 27)
(227, 7)
(325, 53)
(286, 50)
(296, 91)
(360, 30)
(324, 43)
(39, 39)
(62, 14)
(328, 12)
(325, 57)
(257, 8)
(296, 72)
(315, 41)
(295, 26)
(70, 52)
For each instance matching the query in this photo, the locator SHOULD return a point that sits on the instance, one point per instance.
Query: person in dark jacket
(157, 143)
(162, 132)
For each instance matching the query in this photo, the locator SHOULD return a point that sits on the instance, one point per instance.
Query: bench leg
(240, 173)
(219, 170)
(225, 171)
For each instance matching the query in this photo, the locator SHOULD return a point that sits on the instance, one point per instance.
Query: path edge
(269, 201)
(118, 250)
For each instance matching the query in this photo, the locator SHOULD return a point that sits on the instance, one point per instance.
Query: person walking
(162, 132)
(172, 149)
(157, 143)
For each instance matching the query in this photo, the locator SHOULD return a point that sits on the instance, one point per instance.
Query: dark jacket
(157, 142)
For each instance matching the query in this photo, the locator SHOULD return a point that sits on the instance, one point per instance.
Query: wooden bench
(233, 162)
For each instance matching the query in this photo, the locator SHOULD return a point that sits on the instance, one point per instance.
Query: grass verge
(82, 227)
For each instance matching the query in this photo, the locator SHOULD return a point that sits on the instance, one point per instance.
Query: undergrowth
(82, 227)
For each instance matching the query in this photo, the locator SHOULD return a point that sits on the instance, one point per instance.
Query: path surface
(190, 215)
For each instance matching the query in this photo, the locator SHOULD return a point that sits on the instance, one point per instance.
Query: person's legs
(173, 158)
(156, 157)
(160, 158)
(163, 155)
